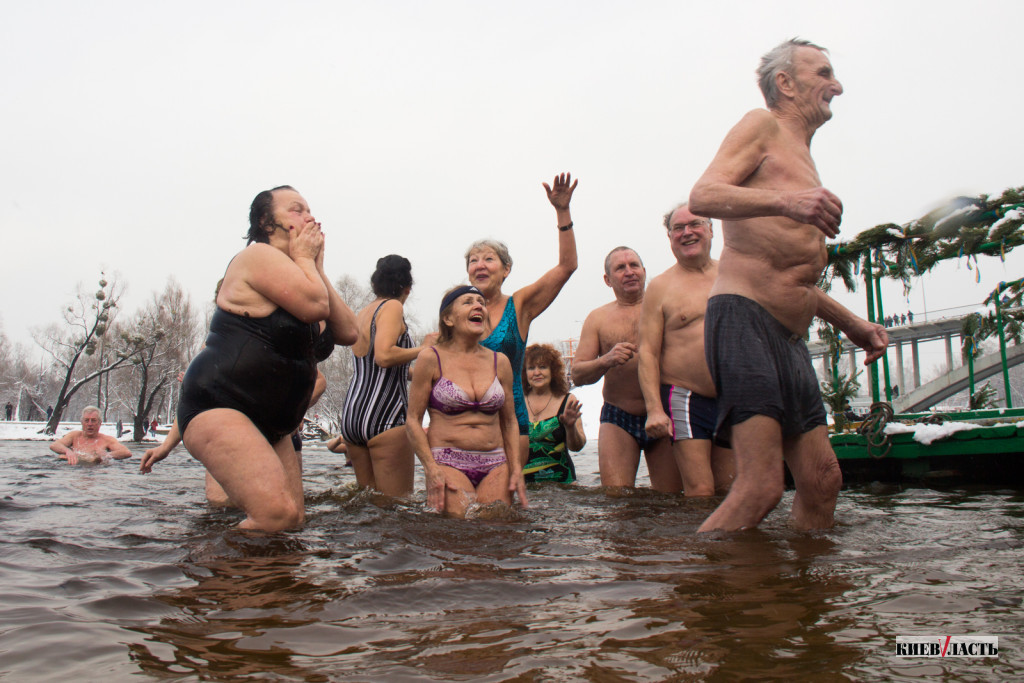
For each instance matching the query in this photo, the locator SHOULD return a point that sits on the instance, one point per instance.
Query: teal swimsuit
(505, 339)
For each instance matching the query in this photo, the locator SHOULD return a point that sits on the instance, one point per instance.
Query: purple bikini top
(451, 399)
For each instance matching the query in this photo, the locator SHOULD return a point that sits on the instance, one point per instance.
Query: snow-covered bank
(22, 430)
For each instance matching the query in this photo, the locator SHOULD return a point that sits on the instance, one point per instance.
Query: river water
(109, 575)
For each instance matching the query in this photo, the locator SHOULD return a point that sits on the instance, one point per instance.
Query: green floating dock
(992, 453)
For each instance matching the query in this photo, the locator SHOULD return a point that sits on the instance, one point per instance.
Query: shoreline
(26, 430)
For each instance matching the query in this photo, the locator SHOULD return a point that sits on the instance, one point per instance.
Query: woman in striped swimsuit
(373, 416)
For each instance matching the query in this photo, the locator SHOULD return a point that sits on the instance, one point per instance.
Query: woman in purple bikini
(472, 452)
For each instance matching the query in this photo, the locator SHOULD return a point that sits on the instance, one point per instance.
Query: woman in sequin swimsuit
(488, 264)
(472, 452)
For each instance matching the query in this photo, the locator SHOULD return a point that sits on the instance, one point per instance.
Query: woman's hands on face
(307, 241)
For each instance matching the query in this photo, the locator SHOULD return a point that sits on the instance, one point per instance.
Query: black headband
(455, 294)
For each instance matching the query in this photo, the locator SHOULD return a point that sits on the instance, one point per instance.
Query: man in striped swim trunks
(678, 390)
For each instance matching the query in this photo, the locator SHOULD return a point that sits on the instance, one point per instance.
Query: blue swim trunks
(627, 422)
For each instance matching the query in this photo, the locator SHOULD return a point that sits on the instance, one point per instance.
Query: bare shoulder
(758, 125)
(656, 287)
(596, 316)
(504, 364)
(760, 119)
(427, 357)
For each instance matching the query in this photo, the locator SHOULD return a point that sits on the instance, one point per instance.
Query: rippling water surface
(106, 574)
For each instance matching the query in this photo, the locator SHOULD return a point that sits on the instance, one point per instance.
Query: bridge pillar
(899, 367)
(917, 363)
(949, 352)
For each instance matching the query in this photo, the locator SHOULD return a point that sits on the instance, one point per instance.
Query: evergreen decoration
(964, 229)
(984, 397)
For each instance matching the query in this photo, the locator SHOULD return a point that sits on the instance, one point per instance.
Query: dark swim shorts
(759, 368)
(629, 423)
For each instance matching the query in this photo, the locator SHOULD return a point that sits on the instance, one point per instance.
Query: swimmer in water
(87, 445)
(471, 454)
(246, 392)
(373, 415)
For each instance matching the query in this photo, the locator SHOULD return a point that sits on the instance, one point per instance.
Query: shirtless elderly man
(776, 215)
(87, 444)
(677, 385)
(608, 348)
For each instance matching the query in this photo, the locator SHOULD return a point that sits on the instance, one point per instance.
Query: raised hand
(560, 191)
(573, 408)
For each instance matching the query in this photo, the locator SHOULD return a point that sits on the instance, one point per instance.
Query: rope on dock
(873, 430)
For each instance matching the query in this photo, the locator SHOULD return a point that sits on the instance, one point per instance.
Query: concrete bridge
(914, 396)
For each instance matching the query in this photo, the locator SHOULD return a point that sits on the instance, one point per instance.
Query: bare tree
(86, 320)
(338, 368)
(165, 332)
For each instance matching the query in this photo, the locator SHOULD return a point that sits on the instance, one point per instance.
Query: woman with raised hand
(247, 390)
(374, 412)
(555, 424)
(471, 455)
(488, 264)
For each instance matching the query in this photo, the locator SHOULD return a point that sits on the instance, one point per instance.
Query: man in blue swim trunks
(608, 349)
(775, 214)
(677, 385)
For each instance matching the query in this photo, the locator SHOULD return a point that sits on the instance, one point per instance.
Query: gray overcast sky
(135, 134)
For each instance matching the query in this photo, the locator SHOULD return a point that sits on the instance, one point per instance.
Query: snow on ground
(33, 431)
(927, 433)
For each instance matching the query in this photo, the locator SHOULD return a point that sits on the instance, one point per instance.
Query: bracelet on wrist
(564, 228)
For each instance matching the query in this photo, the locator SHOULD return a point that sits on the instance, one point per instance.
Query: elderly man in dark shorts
(764, 186)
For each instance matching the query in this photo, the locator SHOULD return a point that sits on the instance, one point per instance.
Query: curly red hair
(547, 355)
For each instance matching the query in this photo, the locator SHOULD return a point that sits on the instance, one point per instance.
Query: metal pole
(885, 356)
(1002, 351)
(869, 286)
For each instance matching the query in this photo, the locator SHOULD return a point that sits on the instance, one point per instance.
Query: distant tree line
(129, 364)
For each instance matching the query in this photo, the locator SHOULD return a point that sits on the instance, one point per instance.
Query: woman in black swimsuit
(246, 392)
